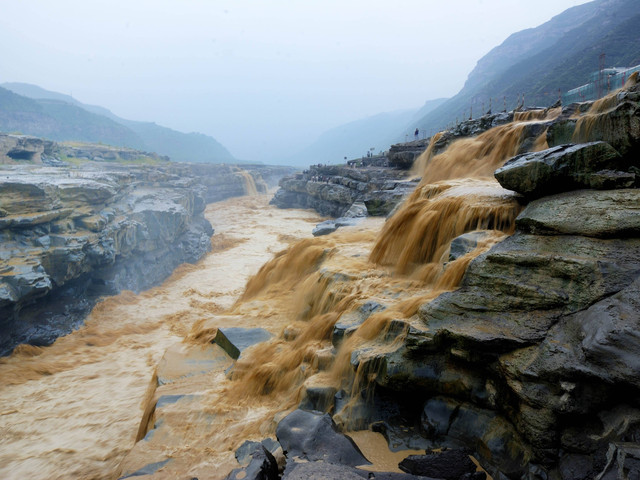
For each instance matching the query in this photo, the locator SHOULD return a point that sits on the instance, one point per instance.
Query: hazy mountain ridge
(32, 110)
(58, 120)
(559, 57)
(524, 43)
(354, 139)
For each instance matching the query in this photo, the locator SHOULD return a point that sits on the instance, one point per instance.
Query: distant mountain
(558, 55)
(58, 120)
(355, 138)
(32, 110)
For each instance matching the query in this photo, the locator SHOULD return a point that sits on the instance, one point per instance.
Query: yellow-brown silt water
(595, 120)
(72, 410)
(250, 187)
(75, 409)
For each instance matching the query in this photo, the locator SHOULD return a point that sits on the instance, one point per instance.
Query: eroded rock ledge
(70, 235)
(534, 362)
(380, 183)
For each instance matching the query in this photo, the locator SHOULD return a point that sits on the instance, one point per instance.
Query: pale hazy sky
(265, 78)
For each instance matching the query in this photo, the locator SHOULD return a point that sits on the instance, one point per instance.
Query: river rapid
(72, 410)
(76, 408)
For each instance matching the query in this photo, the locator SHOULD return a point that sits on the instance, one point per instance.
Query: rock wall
(534, 361)
(71, 235)
(25, 149)
(332, 190)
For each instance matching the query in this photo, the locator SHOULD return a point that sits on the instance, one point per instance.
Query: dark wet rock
(383, 202)
(566, 331)
(402, 155)
(234, 340)
(513, 294)
(464, 244)
(474, 476)
(244, 452)
(330, 226)
(577, 467)
(490, 434)
(437, 416)
(396, 417)
(317, 395)
(262, 466)
(335, 191)
(328, 471)
(599, 342)
(618, 126)
(448, 464)
(563, 168)
(603, 214)
(314, 436)
(70, 235)
(350, 321)
(622, 461)
(401, 435)
(321, 471)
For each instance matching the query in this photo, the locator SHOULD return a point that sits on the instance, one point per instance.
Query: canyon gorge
(478, 295)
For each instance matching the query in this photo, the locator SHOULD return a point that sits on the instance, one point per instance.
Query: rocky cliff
(332, 190)
(532, 362)
(380, 183)
(70, 235)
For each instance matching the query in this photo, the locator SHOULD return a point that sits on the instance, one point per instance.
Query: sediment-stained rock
(564, 168)
(332, 190)
(602, 214)
(533, 362)
(69, 235)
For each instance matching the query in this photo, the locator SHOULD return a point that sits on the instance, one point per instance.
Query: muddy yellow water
(76, 409)
(72, 410)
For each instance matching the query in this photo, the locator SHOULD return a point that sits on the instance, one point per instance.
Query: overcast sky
(264, 77)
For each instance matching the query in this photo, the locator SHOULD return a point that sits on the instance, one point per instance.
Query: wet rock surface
(566, 167)
(333, 190)
(532, 363)
(382, 184)
(449, 464)
(70, 235)
(315, 449)
(313, 436)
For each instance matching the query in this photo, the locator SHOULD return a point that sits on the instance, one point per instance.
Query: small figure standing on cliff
(416, 133)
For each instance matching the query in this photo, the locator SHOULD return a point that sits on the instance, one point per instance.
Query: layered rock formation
(382, 184)
(25, 149)
(533, 361)
(70, 235)
(332, 190)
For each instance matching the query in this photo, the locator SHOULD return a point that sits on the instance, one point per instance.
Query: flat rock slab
(449, 464)
(559, 169)
(235, 340)
(328, 471)
(513, 294)
(314, 436)
(604, 214)
(330, 226)
(181, 361)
